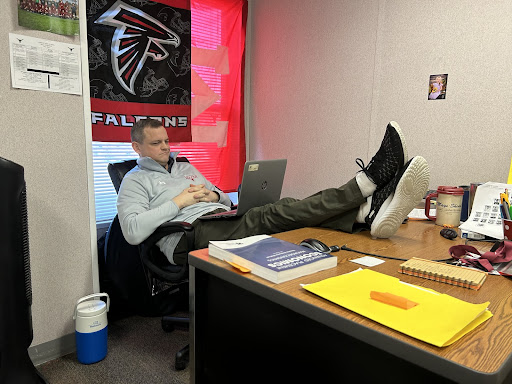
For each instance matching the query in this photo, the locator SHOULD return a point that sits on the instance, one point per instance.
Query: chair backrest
(118, 170)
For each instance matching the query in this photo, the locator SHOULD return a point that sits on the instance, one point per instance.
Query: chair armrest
(172, 273)
(171, 227)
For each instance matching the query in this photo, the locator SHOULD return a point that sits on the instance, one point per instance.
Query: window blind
(105, 195)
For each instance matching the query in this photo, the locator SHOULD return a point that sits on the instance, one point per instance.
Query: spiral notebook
(443, 273)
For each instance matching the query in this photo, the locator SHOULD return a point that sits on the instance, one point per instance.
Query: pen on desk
(505, 211)
(505, 196)
(502, 211)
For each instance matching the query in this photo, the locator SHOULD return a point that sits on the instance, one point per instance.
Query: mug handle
(427, 206)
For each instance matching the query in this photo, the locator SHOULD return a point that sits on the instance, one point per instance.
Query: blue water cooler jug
(91, 328)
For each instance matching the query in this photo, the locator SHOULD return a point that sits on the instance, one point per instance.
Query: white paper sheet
(368, 261)
(45, 65)
(485, 215)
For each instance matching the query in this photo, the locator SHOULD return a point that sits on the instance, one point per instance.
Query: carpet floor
(139, 351)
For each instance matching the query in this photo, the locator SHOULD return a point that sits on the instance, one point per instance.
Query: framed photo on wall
(437, 87)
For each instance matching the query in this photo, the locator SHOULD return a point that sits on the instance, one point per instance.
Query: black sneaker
(408, 188)
(381, 194)
(389, 159)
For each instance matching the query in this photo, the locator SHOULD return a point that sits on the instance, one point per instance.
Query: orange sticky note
(239, 267)
(389, 298)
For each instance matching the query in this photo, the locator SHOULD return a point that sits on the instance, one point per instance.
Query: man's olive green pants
(333, 208)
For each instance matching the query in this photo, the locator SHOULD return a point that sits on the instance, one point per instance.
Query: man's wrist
(218, 197)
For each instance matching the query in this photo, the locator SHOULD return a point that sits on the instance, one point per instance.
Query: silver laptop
(261, 184)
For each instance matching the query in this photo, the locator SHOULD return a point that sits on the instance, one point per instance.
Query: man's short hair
(137, 131)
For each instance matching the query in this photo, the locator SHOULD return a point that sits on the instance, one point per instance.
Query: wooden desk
(246, 329)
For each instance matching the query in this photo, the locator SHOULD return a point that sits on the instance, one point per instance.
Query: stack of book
(270, 258)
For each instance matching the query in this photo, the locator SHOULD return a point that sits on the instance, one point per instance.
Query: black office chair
(130, 269)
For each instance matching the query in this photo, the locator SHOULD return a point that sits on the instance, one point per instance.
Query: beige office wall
(468, 136)
(310, 76)
(325, 77)
(44, 132)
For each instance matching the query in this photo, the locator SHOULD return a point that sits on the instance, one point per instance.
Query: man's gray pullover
(145, 201)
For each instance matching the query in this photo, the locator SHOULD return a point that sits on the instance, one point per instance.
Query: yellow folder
(437, 318)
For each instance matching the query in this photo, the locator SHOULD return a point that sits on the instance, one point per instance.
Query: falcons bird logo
(136, 37)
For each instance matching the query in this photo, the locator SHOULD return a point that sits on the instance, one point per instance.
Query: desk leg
(198, 312)
(192, 312)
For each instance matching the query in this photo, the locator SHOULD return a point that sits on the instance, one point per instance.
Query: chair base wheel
(182, 358)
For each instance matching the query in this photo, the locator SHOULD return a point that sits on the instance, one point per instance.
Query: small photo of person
(437, 87)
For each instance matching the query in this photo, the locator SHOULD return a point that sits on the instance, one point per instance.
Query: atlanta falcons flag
(139, 66)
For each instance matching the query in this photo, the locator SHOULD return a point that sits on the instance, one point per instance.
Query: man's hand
(203, 194)
(195, 194)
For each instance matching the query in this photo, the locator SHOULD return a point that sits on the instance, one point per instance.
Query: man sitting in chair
(159, 189)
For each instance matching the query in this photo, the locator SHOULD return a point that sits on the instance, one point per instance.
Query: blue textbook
(270, 258)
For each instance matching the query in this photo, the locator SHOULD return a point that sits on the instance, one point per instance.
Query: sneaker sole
(398, 130)
(409, 191)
